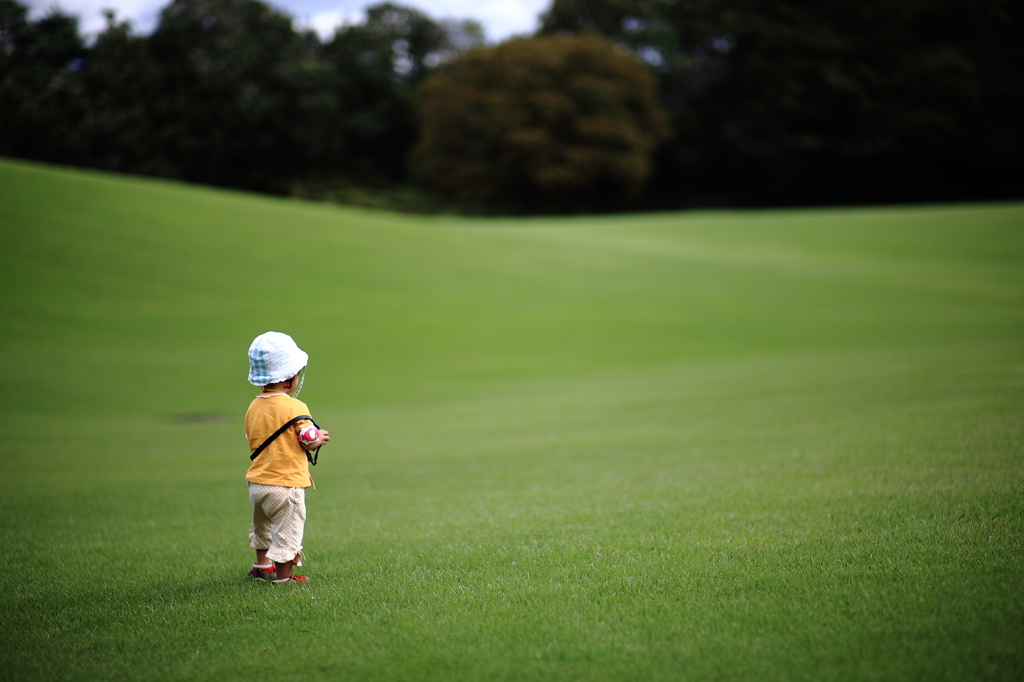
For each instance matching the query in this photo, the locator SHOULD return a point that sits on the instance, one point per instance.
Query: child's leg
(260, 539)
(284, 570)
(284, 509)
(286, 533)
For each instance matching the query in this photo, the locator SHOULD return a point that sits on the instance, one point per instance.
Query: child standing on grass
(280, 433)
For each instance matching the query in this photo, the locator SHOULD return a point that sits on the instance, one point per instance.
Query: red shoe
(262, 572)
(292, 579)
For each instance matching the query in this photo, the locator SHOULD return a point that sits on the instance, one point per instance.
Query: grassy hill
(769, 445)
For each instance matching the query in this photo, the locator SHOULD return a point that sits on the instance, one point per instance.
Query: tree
(871, 101)
(401, 43)
(223, 92)
(121, 91)
(685, 48)
(39, 84)
(244, 100)
(540, 124)
(851, 100)
(640, 26)
(376, 66)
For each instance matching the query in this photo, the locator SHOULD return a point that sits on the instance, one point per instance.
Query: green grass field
(779, 445)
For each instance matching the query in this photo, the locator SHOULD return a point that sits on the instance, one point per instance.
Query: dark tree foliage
(123, 96)
(376, 65)
(39, 88)
(550, 124)
(770, 103)
(851, 100)
(400, 43)
(641, 25)
(223, 92)
(242, 98)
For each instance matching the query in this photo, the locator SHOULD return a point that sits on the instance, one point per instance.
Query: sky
(501, 19)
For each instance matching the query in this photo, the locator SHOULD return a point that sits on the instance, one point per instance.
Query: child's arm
(310, 437)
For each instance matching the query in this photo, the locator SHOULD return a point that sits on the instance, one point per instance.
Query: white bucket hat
(274, 357)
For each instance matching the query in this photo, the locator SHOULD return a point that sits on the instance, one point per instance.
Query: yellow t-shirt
(283, 462)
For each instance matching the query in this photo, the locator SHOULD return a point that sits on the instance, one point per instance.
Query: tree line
(612, 105)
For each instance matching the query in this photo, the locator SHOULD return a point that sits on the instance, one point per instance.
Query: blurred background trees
(539, 124)
(615, 104)
(223, 92)
(846, 101)
(376, 66)
(40, 90)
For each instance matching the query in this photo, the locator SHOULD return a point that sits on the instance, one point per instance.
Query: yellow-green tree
(539, 124)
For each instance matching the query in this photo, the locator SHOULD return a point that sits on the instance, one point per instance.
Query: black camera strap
(312, 458)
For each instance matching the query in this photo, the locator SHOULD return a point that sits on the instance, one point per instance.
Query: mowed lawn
(764, 445)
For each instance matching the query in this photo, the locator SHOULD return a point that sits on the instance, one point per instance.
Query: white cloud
(504, 19)
(143, 14)
(500, 18)
(324, 23)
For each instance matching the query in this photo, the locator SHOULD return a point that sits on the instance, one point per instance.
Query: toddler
(280, 433)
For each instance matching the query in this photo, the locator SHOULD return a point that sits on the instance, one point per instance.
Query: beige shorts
(278, 519)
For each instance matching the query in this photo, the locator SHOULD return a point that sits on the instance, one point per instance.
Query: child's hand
(311, 437)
